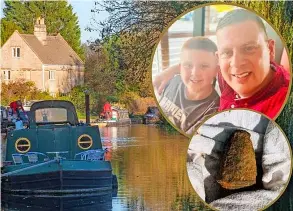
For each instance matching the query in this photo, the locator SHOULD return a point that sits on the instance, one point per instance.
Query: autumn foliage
(21, 90)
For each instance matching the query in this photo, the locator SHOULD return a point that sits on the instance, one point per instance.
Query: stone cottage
(46, 60)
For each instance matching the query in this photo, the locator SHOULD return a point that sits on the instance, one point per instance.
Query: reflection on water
(150, 167)
(151, 173)
(79, 202)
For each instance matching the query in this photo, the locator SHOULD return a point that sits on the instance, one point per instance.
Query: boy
(190, 96)
(249, 77)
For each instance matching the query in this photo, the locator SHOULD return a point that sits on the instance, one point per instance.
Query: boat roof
(119, 109)
(71, 112)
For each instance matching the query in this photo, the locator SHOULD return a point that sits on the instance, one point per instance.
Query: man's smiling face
(244, 57)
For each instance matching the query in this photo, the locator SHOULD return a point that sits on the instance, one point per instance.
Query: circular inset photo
(215, 58)
(239, 160)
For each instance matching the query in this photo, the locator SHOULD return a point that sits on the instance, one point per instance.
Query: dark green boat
(56, 154)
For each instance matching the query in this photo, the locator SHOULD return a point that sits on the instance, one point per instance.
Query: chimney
(40, 30)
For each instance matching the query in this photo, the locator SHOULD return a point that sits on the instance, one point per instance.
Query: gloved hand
(271, 149)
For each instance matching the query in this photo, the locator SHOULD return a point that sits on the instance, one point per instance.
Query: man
(249, 77)
(18, 110)
(18, 115)
(107, 109)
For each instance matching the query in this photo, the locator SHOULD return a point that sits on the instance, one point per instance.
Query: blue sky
(83, 12)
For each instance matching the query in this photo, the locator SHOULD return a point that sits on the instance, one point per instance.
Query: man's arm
(161, 80)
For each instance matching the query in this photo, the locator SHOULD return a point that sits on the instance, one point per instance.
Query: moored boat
(56, 154)
(120, 117)
(152, 115)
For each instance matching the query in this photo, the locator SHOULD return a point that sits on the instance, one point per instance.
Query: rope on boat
(28, 168)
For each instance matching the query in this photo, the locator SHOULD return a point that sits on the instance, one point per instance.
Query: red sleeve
(276, 102)
(13, 106)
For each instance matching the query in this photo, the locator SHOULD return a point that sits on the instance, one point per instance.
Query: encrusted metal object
(238, 165)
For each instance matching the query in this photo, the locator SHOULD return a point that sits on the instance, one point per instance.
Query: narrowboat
(55, 154)
(120, 117)
(152, 115)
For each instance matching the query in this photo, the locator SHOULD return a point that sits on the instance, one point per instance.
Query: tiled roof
(55, 51)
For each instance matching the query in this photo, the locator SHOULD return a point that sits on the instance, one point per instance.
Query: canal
(150, 167)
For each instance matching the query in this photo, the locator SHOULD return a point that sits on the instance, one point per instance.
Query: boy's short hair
(200, 43)
(238, 16)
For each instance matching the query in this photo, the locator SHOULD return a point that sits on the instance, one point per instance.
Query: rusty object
(238, 165)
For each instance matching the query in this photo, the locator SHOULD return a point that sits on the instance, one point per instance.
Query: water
(150, 167)
(151, 173)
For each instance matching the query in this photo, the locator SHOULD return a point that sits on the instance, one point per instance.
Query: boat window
(51, 115)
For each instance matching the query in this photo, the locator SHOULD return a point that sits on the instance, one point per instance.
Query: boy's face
(244, 56)
(198, 69)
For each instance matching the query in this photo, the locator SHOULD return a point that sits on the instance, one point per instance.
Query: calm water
(151, 172)
(150, 167)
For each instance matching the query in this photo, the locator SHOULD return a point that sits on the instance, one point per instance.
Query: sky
(83, 12)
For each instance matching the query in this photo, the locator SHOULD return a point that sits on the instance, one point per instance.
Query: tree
(59, 18)
(7, 28)
(140, 23)
(21, 90)
(135, 27)
(100, 71)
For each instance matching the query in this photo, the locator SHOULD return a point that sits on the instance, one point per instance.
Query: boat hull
(113, 123)
(60, 177)
(78, 202)
(122, 122)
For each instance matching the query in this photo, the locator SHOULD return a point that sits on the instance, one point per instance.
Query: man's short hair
(238, 16)
(199, 43)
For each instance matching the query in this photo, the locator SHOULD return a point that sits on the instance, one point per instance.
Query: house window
(51, 75)
(16, 52)
(6, 74)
